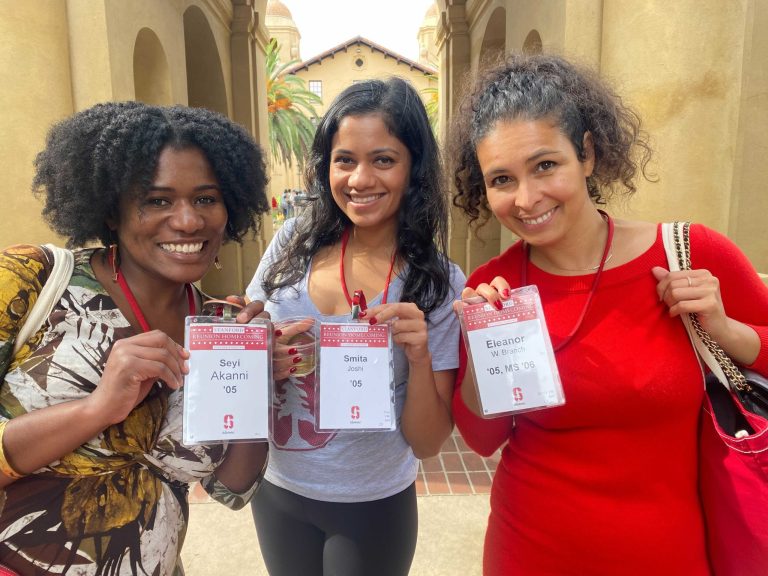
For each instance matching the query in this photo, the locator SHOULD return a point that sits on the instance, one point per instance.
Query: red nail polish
(278, 333)
(506, 293)
(297, 360)
(292, 370)
(362, 314)
(499, 305)
(372, 321)
(292, 351)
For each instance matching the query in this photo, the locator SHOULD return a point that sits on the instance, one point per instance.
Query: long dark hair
(423, 216)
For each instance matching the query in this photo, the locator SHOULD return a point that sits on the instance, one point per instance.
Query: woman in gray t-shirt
(345, 503)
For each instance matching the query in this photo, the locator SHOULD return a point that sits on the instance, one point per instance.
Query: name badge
(355, 389)
(510, 355)
(227, 390)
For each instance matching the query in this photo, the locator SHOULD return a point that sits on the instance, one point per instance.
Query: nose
(362, 177)
(186, 218)
(526, 196)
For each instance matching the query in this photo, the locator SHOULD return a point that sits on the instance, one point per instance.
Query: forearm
(740, 342)
(242, 466)
(426, 420)
(36, 439)
(469, 395)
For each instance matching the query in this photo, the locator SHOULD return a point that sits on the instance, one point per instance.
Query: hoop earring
(114, 260)
(217, 264)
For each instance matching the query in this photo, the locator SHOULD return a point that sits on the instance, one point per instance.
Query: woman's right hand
(494, 293)
(134, 365)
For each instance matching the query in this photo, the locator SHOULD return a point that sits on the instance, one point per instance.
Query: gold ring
(690, 284)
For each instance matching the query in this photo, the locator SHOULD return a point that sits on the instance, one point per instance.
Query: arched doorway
(205, 77)
(487, 241)
(151, 81)
(532, 43)
(206, 89)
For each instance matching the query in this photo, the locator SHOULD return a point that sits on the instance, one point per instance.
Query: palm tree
(432, 105)
(290, 108)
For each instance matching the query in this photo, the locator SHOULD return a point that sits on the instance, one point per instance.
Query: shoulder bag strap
(63, 265)
(677, 246)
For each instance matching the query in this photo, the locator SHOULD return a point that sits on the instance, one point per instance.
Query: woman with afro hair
(93, 472)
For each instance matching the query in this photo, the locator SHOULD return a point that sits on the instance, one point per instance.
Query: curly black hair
(423, 216)
(537, 86)
(95, 157)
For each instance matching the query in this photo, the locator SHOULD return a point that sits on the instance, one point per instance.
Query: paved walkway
(453, 511)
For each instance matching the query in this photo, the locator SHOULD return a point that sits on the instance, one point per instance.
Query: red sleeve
(483, 435)
(745, 296)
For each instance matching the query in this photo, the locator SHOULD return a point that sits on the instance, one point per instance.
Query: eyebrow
(196, 188)
(538, 154)
(371, 153)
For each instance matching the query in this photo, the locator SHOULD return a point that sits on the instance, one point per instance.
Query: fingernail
(498, 305)
(506, 293)
(372, 321)
(292, 351)
(292, 370)
(362, 314)
(278, 333)
(297, 359)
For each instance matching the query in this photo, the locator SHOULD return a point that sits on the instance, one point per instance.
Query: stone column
(454, 48)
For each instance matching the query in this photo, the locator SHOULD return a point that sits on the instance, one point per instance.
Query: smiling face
(369, 171)
(175, 231)
(535, 183)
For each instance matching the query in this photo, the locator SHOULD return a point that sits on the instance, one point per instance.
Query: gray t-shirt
(344, 466)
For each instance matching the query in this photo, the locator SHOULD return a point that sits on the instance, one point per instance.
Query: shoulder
(26, 260)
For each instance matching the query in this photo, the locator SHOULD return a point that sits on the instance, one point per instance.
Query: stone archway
(488, 240)
(205, 77)
(151, 79)
(532, 43)
(495, 36)
(206, 89)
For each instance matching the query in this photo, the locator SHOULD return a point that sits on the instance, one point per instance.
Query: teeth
(183, 248)
(543, 218)
(365, 199)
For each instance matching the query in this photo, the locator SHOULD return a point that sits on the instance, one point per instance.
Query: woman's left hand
(408, 326)
(694, 292)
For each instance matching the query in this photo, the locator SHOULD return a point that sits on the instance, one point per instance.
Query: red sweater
(606, 485)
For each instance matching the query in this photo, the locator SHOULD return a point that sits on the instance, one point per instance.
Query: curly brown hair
(536, 86)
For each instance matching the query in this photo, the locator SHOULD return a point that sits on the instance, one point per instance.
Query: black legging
(304, 537)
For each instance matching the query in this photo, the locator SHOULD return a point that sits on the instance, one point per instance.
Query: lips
(183, 247)
(367, 199)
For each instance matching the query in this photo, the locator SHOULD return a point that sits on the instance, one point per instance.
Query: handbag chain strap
(734, 375)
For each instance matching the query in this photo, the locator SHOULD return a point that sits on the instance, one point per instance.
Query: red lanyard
(606, 250)
(344, 242)
(128, 293)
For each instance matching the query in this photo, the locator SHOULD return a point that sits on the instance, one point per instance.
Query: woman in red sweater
(606, 484)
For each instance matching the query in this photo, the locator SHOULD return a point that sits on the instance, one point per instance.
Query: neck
(381, 240)
(580, 252)
(154, 295)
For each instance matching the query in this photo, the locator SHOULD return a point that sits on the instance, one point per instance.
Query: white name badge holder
(510, 355)
(228, 389)
(355, 390)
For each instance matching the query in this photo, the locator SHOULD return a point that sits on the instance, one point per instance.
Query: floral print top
(117, 504)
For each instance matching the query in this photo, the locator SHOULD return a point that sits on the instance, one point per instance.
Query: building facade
(329, 73)
(696, 72)
(62, 56)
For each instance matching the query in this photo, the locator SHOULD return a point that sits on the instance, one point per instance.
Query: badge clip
(358, 304)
